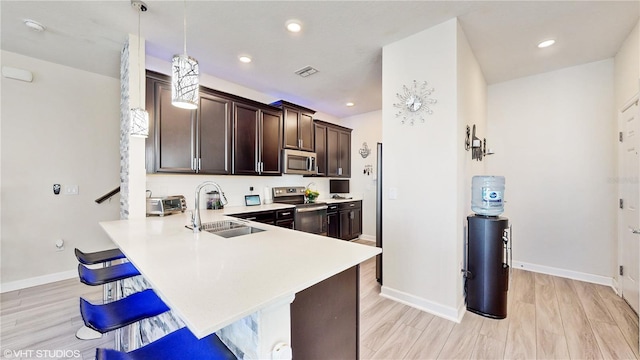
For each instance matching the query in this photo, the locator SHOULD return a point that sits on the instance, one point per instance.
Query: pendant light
(184, 76)
(139, 117)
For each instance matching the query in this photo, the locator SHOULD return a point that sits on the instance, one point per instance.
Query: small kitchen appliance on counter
(488, 249)
(167, 205)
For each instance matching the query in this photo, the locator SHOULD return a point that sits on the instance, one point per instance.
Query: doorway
(629, 190)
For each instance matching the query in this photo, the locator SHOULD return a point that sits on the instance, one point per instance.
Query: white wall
(627, 68)
(420, 227)
(472, 110)
(61, 128)
(554, 136)
(366, 128)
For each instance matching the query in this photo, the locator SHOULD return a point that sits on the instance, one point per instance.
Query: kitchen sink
(229, 229)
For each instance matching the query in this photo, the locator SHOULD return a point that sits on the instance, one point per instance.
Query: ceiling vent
(306, 71)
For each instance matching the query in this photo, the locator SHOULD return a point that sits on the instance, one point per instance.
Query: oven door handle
(314, 208)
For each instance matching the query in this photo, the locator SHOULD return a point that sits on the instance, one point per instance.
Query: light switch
(393, 193)
(71, 190)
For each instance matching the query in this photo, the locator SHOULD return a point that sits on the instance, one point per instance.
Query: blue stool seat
(114, 315)
(178, 345)
(99, 256)
(107, 274)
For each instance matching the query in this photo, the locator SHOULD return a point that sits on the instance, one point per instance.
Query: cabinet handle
(328, 220)
(352, 205)
(339, 171)
(285, 214)
(251, 218)
(351, 215)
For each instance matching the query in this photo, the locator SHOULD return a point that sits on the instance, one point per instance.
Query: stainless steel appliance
(308, 217)
(299, 162)
(167, 205)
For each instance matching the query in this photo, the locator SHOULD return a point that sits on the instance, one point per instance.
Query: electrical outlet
(59, 245)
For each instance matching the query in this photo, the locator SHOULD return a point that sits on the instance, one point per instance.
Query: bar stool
(105, 275)
(120, 313)
(101, 276)
(178, 345)
(99, 257)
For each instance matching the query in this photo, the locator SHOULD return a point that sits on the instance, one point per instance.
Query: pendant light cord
(139, 67)
(184, 13)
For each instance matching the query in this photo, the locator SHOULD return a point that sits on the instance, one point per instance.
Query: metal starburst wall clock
(414, 103)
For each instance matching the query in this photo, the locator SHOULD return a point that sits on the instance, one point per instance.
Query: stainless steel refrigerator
(379, 213)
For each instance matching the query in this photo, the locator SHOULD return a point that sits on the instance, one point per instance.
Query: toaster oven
(167, 205)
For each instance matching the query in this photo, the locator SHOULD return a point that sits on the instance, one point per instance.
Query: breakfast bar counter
(211, 282)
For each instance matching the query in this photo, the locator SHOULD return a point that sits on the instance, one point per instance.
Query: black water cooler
(487, 273)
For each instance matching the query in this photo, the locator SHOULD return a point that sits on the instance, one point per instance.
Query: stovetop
(293, 195)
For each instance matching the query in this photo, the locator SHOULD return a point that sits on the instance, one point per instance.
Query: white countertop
(211, 282)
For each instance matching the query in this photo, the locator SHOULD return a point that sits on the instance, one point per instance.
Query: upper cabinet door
(214, 140)
(321, 148)
(344, 139)
(174, 131)
(298, 132)
(270, 136)
(306, 132)
(291, 139)
(245, 139)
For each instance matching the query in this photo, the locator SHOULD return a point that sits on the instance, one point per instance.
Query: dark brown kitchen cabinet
(284, 218)
(187, 141)
(350, 214)
(325, 318)
(321, 148)
(333, 221)
(334, 146)
(256, 140)
(298, 131)
(265, 217)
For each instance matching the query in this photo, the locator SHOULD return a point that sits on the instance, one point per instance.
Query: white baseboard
(366, 237)
(38, 280)
(569, 274)
(431, 307)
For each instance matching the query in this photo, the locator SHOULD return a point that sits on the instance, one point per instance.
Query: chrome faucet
(195, 216)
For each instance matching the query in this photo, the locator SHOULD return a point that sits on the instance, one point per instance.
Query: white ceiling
(342, 39)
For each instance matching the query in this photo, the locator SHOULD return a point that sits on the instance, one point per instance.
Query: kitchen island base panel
(325, 320)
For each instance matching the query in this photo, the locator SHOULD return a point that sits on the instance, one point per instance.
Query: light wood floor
(548, 317)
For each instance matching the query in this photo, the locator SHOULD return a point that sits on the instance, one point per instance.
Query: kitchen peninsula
(211, 282)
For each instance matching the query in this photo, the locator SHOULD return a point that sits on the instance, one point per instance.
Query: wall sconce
(478, 148)
(368, 169)
(364, 150)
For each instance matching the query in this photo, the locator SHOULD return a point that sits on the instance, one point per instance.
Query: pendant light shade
(184, 82)
(184, 75)
(139, 123)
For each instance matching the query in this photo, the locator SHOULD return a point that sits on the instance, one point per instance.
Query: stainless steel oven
(308, 217)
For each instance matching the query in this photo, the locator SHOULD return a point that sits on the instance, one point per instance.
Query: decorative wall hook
(368, 169)
(364, 150)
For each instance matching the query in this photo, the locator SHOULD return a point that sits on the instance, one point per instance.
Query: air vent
(306, 71)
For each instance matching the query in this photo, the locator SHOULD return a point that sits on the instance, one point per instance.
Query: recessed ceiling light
(245, 59)
(34, 25)
(350, 104)
(546, 43)
(294, 26)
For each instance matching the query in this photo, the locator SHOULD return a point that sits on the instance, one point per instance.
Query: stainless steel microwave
(299, 162)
